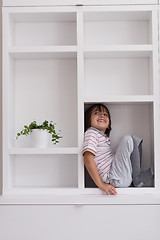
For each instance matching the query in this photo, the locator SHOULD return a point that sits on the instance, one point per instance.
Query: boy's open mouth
(101, 120)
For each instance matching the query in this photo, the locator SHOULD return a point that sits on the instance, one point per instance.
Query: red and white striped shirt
(98, 143)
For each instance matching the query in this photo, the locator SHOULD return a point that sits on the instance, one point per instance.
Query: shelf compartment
(133, 119)
(117, 27)
(40, 89)
(39, 171)
(47, 28)
(105, 75)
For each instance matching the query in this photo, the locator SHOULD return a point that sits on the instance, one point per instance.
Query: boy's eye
(105, 114)
(96, 113)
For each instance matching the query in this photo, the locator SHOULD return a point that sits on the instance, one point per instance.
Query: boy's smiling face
(100, 119)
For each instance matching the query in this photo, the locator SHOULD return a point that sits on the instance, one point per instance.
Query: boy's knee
(137, 140)
(127, 140)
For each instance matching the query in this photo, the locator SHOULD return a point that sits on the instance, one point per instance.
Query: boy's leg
(120, 174)
(139, 178)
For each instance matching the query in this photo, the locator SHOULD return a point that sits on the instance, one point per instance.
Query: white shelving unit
(59, 60)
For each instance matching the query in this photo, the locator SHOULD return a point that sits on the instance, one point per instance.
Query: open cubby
(43, 29)
(101, 79)
(128, 119)
(108, 28)
(32, 79)
(40, 171)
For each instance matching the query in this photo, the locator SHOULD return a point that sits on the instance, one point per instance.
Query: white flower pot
(39, 138)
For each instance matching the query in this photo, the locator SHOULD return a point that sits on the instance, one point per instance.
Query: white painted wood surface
(76, 51)
(75, 2)
(65, 217)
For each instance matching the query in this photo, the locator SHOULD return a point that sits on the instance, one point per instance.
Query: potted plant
(40, 133)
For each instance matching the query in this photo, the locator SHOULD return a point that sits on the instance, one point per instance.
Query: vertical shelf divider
(5, 96)
(156, 110)
(80, 91)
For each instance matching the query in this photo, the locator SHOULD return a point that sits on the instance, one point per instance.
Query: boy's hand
(108, 189)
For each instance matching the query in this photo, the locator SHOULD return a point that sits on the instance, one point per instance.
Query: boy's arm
(92, 169)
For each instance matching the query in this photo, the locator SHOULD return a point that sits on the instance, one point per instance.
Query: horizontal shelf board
(74, 196)
(43, 150)
(43, 55)
(57, 48)
(73, 2)
(121, 99)
(70, 190)
(89, 51)
(118, 51)
(43, 52)
(119, 47)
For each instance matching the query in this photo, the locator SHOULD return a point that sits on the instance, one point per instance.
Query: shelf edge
(15, 151)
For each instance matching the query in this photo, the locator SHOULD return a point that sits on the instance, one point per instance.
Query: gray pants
(120, 174)
(140, 178)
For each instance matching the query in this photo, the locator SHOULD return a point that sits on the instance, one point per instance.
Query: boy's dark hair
(100, 107)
